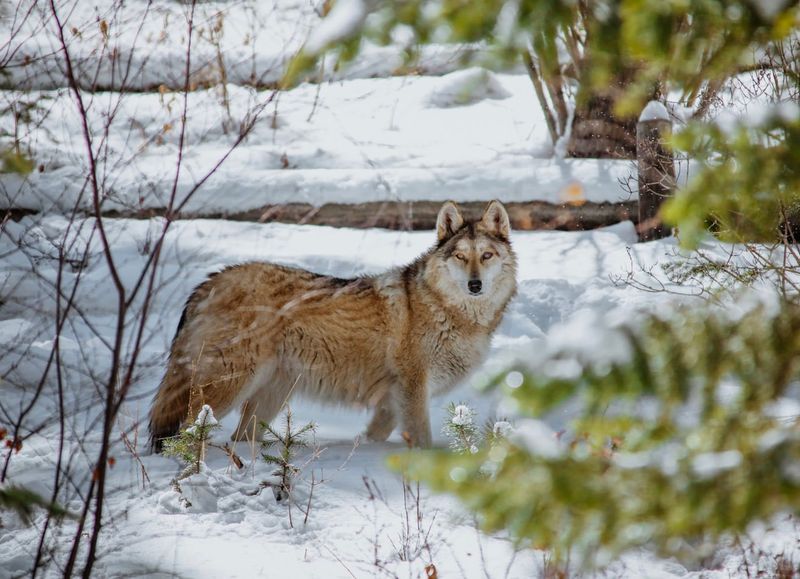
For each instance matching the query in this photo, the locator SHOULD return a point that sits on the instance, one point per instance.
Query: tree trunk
(656, 168)
(598, 133)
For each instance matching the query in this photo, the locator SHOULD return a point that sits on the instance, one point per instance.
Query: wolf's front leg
(263, 404)
(413, 408)
(248, 429)
(383, 420)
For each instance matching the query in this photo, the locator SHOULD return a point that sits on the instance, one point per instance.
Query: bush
(677, 442)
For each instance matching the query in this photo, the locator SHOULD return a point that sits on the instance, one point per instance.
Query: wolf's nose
(474, 286)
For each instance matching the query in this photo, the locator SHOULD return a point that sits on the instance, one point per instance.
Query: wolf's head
(473, 260)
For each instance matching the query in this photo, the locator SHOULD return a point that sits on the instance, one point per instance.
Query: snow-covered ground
(388, 139)
(141, 45)
(227, 531)
(351, 529)
(455, 133)
(449, 133)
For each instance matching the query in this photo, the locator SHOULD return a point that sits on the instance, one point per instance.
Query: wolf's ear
(495, 220)
(449, 221)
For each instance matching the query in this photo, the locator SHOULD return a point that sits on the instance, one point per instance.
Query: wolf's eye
(487, 255)
(461, 257)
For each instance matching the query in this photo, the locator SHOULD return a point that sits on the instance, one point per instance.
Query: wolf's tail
(171, 405)
(168, 412)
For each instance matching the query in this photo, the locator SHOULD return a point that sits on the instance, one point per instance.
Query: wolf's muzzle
(474, 286)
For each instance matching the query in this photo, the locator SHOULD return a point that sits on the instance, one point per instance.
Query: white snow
(538, 439)
(654, 111)
(760, 114)
(357, 136)
(560, 274)
(710, 464)
(344, 18)
(364, 140)
(466, 87)
(206, 417)
(251, 41)
(769, 9)
(514, 379)
(600, 348)
(502, 428)
(462, 415)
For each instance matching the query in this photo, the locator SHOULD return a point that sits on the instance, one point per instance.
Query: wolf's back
(264, 330)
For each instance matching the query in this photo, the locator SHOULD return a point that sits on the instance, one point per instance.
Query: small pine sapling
(191, 442)
(496, 431)
(461, 429)
(628, 471)
(287, 443)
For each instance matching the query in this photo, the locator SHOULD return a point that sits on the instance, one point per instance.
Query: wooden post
(656, 168)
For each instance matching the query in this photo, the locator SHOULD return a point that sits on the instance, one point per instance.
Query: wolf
(254, 334)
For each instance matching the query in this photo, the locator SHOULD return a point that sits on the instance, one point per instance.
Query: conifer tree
(286, 443)
(191, 442)
(678, 442)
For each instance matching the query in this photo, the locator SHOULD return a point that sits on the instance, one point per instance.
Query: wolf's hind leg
(262, 406)
(383, 421)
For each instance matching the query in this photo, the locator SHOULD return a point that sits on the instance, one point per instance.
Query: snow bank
(654, 111)
(367, 140)
(710, 464)
(343, 20)
(542, 180)
(538, 439)
(466, 87)
(561, 274)
(143, 45)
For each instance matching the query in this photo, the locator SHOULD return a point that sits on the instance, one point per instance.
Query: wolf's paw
(378, 433)
(419, 439)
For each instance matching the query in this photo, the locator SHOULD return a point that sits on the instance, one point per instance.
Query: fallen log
(412, 215)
